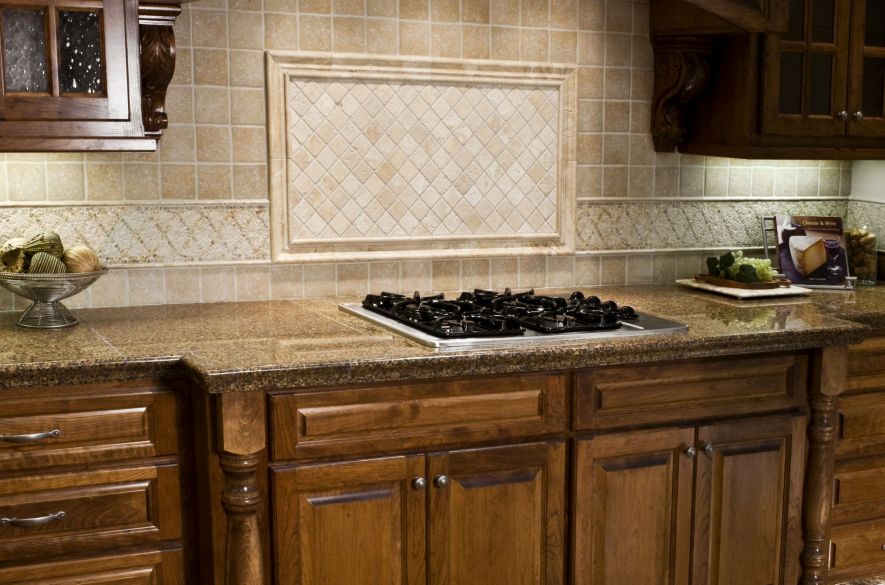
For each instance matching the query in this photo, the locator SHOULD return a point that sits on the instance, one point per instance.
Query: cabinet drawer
(393, 418)
(647, 394)
(866, 366)
(859, 490)
(78, 512)
(141, 568)
(861, 425)
(85, 424)
(852, 545)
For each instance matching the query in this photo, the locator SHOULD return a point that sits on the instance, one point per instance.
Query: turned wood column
(830, 379)
(242, 436)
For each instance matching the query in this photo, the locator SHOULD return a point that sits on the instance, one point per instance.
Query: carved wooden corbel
(157, 62)
(682, 73)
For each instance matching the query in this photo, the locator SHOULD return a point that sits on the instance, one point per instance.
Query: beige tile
(590, 115)
(589, 149)
(445, 40)
(563, 46)
(319, 280)
(639, 269)
(619, 16)
(253, 283)
(246, 69)
(112, 289)
(640, 117)
(504, 272)
(250, 182)
(213, 144)
(382, 7)
(475, 273)
(65, 182)
(65, 156)
(617, 83)
(591, 14)
(618, 50)
(349, 35)
(26, 181)
(475, 42)
(533, 272)
(184, 67)
(533, 45)
(587, 270)
(147, 286)
(213, 105)
(182, 285)
(561, 271)
(247, 107)
(384, 276)
(640, 18)
(353, 279)
(505, 12)
(616, 149)
(382, 36)
(505, 43)
(446, 275)
(591, 82)
(687, 265)
(178, 182)
(643, 84)
(533, 12)
(211, 67)
(250, 144)
(254, 5)
(666, 182)
(281, 32)
(182, 28)
(413, 9)
(209, 28)
(641, 181)
(315, 33)
(664, 268)
(589, 181)
(415, 276)
(643, 55)
(104, 182)
(414, 38)
(564, 14)
(286, 282)
(141, 181)
(180, 104)
(642, 149)
(445, 10)
(213, 182)
(617, 116)
(613, 270)
(318, 6)
(614, 181)
(246, 30)
(349, 7)
(218, 284)
(475, 11)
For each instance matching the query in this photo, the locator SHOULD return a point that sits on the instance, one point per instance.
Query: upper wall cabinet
(84, 74)
(814, 90)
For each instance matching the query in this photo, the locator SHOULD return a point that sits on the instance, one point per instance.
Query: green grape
(764, 272)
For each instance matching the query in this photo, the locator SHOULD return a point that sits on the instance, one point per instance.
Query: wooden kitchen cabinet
(743, 480)
(475, 516)
(84, 74)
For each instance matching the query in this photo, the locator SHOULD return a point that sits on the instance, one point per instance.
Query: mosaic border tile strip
(382, 157)
(140, 234)
(663, 225)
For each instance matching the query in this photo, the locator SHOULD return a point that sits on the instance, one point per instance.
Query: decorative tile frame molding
(500, 136)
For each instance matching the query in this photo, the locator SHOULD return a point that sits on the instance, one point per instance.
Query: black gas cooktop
(485, 316)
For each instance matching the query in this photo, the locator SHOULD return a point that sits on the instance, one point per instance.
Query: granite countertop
(307, 343)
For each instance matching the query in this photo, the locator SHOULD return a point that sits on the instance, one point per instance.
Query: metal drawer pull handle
(53, 434)
(33, 522)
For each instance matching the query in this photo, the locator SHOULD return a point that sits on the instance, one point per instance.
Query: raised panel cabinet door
(805, 82)
(867, 79)
(354, 523)
(497, 515)
(632, 519)
(748, 502)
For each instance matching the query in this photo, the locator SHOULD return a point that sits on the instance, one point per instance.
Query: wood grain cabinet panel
(419, 415)
(44, 515)
(866, 366)
(87, 425)
(861, 425)
(629, 395)
(632, 518)
(859, 489)
(138, 568)
(856, 545)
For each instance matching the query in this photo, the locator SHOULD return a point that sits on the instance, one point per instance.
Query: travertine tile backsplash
(191, 222)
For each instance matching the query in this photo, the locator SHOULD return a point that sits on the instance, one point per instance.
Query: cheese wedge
(808, 253)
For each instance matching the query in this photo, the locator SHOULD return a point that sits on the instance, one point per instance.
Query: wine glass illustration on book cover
(811, 249)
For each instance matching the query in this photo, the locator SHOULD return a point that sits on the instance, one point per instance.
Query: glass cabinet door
(63, 60)
(867, 82)
(806, 70)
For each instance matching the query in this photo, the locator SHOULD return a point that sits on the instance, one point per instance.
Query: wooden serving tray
(715, 280)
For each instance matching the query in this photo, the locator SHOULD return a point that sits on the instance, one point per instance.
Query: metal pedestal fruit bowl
(46, 291)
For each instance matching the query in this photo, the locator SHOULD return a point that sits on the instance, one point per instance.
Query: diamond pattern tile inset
(384, 159)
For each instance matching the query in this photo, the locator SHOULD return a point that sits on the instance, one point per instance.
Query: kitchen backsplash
(192, 222)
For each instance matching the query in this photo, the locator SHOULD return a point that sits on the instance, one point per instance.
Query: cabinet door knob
(858, 116)
(843, 115)
(708, 448)
(32, 438)
(419, 483)
(440, 481)
(691, 451)
(33, 522)
(883, 548)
